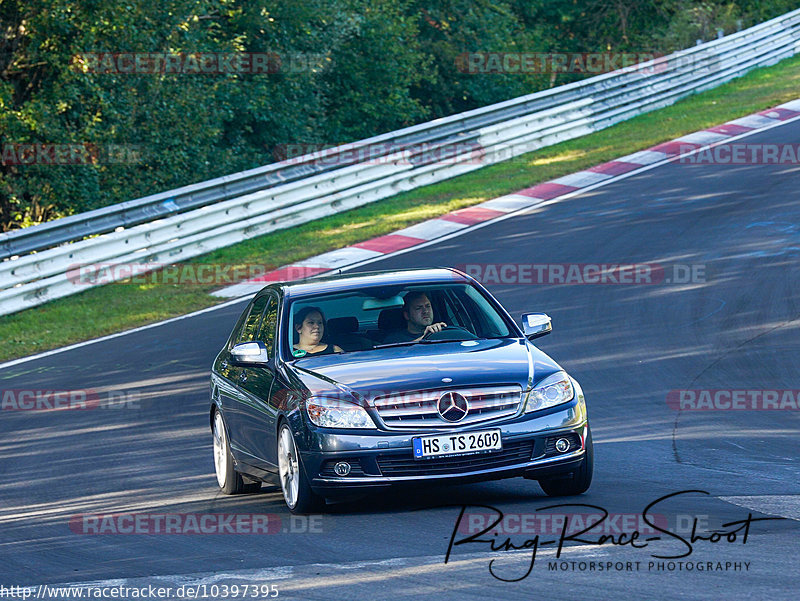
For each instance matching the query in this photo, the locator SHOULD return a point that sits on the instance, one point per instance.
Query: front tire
(229, 480)
(296, 490)
(581, 478)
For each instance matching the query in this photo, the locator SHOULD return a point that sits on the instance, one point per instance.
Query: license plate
(465, 443)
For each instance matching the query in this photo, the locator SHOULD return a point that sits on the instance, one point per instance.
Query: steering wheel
(451, 333)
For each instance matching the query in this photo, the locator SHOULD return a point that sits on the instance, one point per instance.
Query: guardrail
(193, 220)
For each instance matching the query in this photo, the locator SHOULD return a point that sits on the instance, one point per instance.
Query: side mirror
(251, 354)
(536, 324)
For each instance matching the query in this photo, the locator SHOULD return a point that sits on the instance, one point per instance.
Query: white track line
(785, 506)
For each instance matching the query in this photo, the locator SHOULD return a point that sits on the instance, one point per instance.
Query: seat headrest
(391, 319)
(342, 325)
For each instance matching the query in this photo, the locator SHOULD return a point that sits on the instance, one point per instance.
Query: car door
(224, 376)
(258, 418)
(238, 407)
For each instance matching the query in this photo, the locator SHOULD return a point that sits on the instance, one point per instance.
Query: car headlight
(552, 391)
(334, 413)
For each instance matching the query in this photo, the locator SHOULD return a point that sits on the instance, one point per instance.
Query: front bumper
(382, 458)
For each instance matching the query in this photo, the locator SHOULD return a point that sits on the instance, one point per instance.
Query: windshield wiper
(389, 344)
(424, 340)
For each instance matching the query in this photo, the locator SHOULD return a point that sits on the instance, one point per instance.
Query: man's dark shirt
(400, 336)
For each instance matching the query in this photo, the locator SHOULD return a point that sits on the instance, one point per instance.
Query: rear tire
(581, 478)
(296, 490)
(229, 480)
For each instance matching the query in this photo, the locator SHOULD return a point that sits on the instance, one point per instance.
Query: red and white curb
(467, 218)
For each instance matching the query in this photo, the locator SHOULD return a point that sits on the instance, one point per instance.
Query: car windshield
(387, 316)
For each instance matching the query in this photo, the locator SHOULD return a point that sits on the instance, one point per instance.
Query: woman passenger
(310, 330)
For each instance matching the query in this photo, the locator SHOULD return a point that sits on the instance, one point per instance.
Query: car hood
(374, 373)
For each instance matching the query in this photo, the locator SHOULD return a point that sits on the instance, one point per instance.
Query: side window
(237, 329)
(266, 333)
(250, 328)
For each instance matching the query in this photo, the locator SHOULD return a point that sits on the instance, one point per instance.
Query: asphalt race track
(628, 344)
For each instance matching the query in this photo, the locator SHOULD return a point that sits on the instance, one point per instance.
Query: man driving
(418, 313)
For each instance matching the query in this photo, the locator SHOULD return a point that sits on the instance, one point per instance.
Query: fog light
(562, 445)
(342, 468)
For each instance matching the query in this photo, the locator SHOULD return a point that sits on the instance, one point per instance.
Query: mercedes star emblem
(452, 406)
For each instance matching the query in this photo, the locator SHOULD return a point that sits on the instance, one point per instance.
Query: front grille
(550, 444)
(419, 409)
(513, 453)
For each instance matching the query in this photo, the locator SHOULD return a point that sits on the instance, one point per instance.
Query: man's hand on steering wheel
(433, 328)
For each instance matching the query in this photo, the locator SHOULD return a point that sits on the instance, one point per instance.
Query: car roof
(355, 281)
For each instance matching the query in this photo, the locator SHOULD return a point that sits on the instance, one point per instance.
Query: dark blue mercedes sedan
(339, 385)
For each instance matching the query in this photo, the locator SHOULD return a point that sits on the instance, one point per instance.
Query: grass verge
(117, 307)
